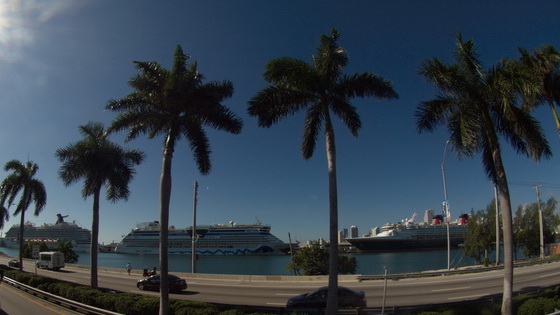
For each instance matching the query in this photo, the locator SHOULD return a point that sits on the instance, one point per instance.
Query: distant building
(341, 236)
(353, 231)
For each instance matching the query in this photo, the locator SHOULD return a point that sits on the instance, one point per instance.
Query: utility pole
(497, 224)
(194, 236)
(540, 221)
(446, 207)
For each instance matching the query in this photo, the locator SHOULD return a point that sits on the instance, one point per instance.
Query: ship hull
(394, 245)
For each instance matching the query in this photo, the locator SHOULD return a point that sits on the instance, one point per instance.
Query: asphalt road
(15, 301)
(403, 292)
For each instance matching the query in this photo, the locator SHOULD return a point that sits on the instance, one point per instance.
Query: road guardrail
(450, 272)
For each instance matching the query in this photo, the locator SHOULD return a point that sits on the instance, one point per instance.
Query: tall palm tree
(32, 191)
(99, 162)
(544, 65)
(175, 104)
(480, 106)
(322, 89)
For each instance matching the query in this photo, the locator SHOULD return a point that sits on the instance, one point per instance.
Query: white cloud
(20, 18)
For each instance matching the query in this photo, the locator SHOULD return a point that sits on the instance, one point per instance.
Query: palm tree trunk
(332, 299)
(165, 198)
(21, 228)
(507, 227)
(94, 239)
(554, 114)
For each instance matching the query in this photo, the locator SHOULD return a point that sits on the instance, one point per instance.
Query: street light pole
(446, 206)
(540, 221)
(497, 224)
(193, 233)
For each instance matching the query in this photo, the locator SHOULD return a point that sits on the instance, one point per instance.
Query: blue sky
(62, 61)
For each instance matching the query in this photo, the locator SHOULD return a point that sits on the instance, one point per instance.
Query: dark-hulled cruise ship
(409, 235)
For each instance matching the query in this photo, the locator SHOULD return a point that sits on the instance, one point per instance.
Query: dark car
(176, 284)
(13, 263)
(318, 298)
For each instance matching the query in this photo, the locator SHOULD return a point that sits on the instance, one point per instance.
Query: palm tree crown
(544, 66)
(175, 104)
(321, 89)
(99, 162)
(479, 107)
(31, 190)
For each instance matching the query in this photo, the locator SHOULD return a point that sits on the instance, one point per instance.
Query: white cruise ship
(218, 239)
(51, 234)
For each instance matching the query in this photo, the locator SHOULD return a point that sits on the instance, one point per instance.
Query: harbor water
(368, 264)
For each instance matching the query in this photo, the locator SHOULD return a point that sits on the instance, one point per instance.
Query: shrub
(538, 306)
(107, 301)
(145, 305)
(180, 307)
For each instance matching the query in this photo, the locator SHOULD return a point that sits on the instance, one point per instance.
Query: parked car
(318, 298)
(13, 263)
(176, 284)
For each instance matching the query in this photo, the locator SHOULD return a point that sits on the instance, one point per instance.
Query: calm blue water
(276, 265)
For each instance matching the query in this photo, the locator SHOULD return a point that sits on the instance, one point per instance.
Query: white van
(51, 260)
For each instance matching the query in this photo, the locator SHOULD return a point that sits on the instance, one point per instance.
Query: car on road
(176, 284)
(318, 299)
(13, 263)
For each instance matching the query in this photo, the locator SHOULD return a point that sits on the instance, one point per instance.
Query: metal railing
(450, 272)
(66, 303)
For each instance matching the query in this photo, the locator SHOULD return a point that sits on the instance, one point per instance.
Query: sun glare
(20, 19)
(13, 32)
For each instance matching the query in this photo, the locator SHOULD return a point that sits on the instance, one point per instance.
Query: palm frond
(347, 113)
(200, 147)
(330, 58)
(488, 162)
(365, 84)
(274, 103)
(465, 126)
(313, 122)
(467, 58)
(432, 113)
(220, 117)
(291, 73)
(448, 78)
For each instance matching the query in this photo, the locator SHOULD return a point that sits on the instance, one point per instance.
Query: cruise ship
(218, 239)
(409, 235)
(51, 234)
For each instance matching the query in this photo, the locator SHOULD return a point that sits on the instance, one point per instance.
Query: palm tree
(322, 90)
(175, 104)
(99, 162)
(32, 191)
(544, 65)
(478, 107)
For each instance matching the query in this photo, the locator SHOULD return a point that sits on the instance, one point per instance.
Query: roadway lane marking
(467, 297)
(450, 289)
(287, 294)
(282, 304)
(549, 275)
